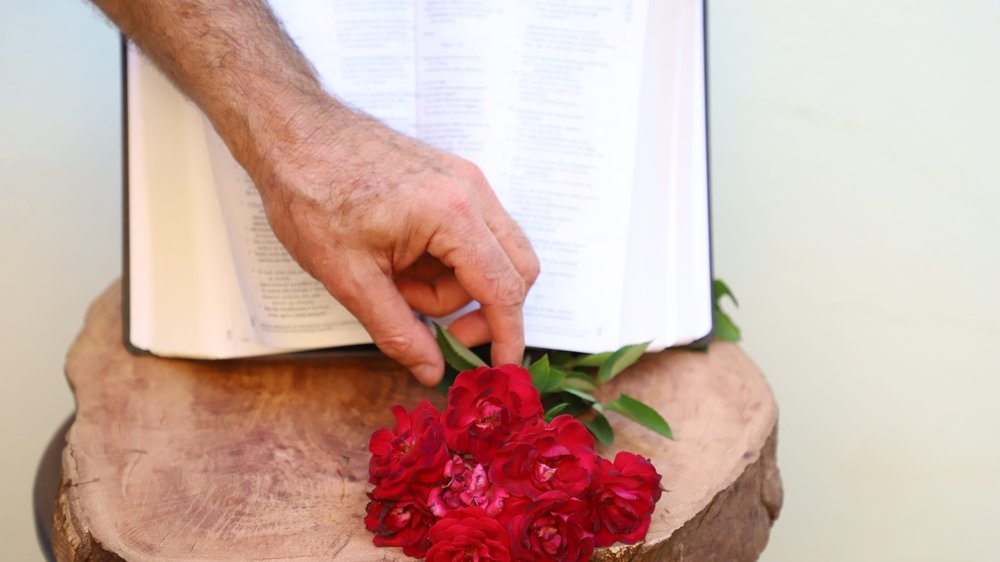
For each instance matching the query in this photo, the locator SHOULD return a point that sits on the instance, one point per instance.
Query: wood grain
(175, 460)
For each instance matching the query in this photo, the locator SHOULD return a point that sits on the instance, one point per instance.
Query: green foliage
(555, 411)
(571, 385)
(585, 396)
(456, 354)
(620, 360)
(544, 377)
(641, 414)
(595, 360)
(725, 328)
(600, 428)
(579, 381)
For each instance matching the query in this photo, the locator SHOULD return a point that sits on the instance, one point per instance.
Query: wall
(857, 217)
(59, 225)
(856, 211)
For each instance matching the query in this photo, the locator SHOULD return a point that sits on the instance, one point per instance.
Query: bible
(588, 118)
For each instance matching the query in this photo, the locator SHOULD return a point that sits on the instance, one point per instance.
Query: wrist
(287, 134)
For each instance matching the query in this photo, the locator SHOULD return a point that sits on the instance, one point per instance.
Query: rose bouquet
(489, 479)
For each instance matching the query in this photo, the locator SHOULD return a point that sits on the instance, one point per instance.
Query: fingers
(426, 267)
(431, 288)
(436, 297)
(512, 239)
(483, 268)
(372, 297)
(470, 329)
(521, 255)
(495, 264)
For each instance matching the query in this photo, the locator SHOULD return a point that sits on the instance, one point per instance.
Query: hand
(383, 221)
(387, 224)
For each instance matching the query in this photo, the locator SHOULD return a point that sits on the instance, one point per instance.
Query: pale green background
(857, 215)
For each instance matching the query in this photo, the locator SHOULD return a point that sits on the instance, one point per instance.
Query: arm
(383, 221)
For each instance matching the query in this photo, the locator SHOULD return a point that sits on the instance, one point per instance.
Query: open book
(587, 117)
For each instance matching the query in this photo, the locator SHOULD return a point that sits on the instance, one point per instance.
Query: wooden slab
(267, 460)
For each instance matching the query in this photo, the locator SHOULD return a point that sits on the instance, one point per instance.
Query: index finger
(487, 273)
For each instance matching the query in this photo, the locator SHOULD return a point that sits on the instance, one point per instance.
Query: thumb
(373, 298)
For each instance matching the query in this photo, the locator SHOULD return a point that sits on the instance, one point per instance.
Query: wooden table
(267, 460)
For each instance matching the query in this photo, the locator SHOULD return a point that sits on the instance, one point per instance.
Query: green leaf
(580, 383)
(720, 289)
(456, 354)
(561, 357)
(574, 406)
(555, 411)
(595, 360)
(539, 370)
(580, 375)
(641, 414)
(580, 394)
(725, 328)
(545, 378)
(620, 360)
(601, 429)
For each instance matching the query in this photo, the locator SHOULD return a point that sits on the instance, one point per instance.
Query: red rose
(553, 527)
(485, 406)
(410, 457)
(402, 523)
(467, 486)
(557, 457)
(622, 499)
(468, 533)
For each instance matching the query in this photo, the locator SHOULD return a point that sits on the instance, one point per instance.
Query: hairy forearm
(234, 60)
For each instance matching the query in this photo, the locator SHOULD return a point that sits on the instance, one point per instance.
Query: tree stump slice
(176, 460)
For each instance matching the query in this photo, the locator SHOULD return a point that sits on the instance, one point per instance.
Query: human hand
(387, 224)
(383, 221)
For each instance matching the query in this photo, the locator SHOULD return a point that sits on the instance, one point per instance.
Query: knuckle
(511, 289)
(470, 176)
(468, 170)
(476, 176)
(395, 345)
(454, 203)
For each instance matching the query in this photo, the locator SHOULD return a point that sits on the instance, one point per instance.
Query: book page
(184, 299)
(668, 299)
(286, 308)
(577, 113)
(363, 51)
(465, 83)
(692, 297)
(545, 95)
(551, 119)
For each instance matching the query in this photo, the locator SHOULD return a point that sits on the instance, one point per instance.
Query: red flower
(557, 457)
(411, 457)
(486, 406)
(553, 527)
(622, 499)
(469, 534)
(488, 480)
(468, 486)
(402, 523)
